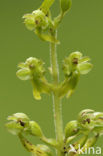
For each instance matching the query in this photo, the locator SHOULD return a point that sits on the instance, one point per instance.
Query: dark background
(82, 30)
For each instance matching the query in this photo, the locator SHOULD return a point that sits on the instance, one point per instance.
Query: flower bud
(66, 5)
(71, 128)
(35, 129)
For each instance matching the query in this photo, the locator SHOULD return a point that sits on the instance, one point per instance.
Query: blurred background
(82, 30)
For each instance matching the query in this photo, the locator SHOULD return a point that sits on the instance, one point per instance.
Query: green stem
(56, 99)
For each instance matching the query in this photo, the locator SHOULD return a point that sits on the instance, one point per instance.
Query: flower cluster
(41, 23)
(88, 121)
(19, 124)
(78, 132)
(91, 120)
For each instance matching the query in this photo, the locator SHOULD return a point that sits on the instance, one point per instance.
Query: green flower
(40, 22)
(74, 65)
(91, 120)
(32, 69)
(36, 20)
(76, 62)
(18, 123)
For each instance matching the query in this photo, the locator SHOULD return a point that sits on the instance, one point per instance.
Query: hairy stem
(56, 99)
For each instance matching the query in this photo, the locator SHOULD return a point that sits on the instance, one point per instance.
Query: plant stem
(56, 99)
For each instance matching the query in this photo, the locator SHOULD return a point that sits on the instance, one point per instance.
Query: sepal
(85, 68)
(35, 129)
(24, 74)
(18, 117)
(71, 129)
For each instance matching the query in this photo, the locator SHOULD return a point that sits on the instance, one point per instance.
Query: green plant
(89, 125)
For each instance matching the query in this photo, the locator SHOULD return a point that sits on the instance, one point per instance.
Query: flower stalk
(56, 100)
